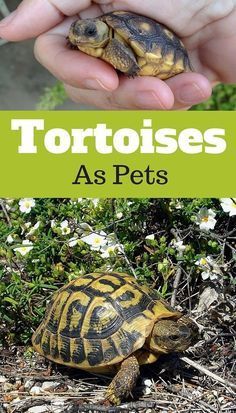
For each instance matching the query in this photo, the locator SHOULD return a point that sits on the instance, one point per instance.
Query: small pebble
(35, 390)
(49, 385)
(38, 409)
(29, 384)
(147, 382)
(7, 387)
(3, 379)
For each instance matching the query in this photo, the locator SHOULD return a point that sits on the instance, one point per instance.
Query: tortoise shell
(133, 44)
(98, 320)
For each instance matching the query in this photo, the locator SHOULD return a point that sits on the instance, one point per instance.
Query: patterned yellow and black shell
(97, 320)
(158, 50)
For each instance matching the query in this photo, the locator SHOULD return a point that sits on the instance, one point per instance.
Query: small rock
(29, 384)
(58, 402)
(7, 386)
(58, 406)
(147, 382)
(35, 390)
(38, 409)
(3, 379)
(49, 385)
(21, 389)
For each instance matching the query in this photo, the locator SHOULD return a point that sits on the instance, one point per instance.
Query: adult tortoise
(107, 322)
(133, 44)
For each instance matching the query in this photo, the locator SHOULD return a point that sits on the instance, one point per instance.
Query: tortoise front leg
(121, 57)
(124, 381)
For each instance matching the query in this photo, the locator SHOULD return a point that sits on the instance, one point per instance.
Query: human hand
(207, 29)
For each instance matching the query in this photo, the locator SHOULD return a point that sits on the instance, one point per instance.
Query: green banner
(117, 154)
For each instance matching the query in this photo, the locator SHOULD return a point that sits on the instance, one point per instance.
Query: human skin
(207, 28)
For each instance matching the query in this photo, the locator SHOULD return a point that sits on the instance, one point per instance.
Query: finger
(72, 66)
(178, 93)
(33, 17)
(139, 93)
(189, 89)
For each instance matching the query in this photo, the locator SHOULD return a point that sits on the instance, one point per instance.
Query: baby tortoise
(132, 44)
(107, 322)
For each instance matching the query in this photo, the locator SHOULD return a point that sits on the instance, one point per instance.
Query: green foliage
(55, 231)
(52, 97)
(223, 98)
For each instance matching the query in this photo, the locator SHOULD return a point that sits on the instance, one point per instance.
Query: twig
(178, 272)
(24, 405)
(5, 213)
(124, 408)
(204, 370)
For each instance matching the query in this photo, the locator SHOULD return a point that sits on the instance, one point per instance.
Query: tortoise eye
(90, 31)
(184, 331)
(174, 337)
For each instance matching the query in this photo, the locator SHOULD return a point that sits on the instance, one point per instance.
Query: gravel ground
(29, 384)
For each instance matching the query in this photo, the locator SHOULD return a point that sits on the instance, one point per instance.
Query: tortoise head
(170, 335)
(89, 32)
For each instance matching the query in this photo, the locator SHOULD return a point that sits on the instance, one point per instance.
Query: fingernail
(4, 22)
(148, 100)
(190, 93)
(94, 84)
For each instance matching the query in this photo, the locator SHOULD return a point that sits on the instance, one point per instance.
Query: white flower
(210, 267)
(10, 239)
(176, 203)
(108, 250)
(151, 237)
(229, 205)
(84, 228)
(53, 223)
(26, 247)
(206, 219)
(26, 204)
(208, 274)
(73, 241)
(34, 228)
(96, 241)
(179, 245)
(65, 229)
(119, 215)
